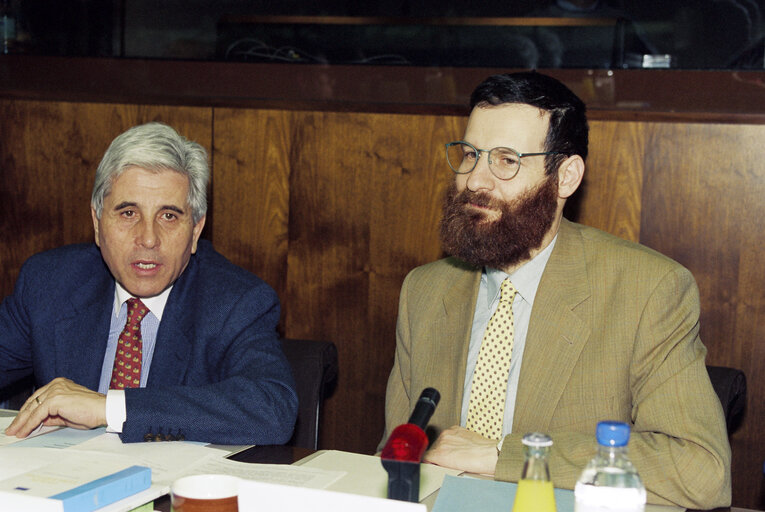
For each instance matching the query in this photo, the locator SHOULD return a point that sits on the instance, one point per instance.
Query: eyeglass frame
(488, 153)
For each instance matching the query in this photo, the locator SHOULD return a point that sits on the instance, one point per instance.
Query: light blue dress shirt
(115, 399)
(526, 281)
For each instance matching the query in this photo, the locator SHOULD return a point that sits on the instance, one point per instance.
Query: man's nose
(481, 178)
(147, 234)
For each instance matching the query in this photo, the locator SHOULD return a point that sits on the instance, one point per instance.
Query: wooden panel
(48, 155)
(251, 191)
(628, 94)
(365, 199)
(410, 182)
(609, 197)
(703, 206)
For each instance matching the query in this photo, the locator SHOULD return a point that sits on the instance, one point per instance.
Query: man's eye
(507, 158)
(128, 213)
(469, 155)
(169, 216)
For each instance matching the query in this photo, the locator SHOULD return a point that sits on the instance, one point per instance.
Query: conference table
(295, 455)
(287, 455)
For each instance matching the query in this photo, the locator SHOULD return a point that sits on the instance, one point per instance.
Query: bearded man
(536, 323)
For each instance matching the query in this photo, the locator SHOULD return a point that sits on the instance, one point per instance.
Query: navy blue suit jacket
(218, 373)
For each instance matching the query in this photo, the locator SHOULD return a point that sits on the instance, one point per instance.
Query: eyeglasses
(504, 163)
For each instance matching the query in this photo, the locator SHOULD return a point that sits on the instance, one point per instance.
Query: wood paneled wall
(333, 209)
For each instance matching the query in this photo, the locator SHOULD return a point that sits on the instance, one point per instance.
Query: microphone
(426, 406)
(403, 451)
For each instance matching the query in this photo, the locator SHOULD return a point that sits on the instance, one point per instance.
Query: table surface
(291, 455)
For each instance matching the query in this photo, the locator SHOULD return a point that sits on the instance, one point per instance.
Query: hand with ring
(63, 403)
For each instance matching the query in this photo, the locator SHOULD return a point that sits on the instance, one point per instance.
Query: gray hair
(154, 147)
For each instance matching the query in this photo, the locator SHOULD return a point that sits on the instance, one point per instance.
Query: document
(366, 476)
(74, 482)
(264, 496)
(168, 461)
(282, 474)
(6, 420)
(71, 449)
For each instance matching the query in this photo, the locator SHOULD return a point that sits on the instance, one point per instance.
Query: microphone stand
(406, 445)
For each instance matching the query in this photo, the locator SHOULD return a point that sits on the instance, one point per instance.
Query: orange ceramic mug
(205, 493)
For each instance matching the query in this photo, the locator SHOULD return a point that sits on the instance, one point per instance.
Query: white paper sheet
(366, 476)
(257, 496)
(296, 476)
(6, 420)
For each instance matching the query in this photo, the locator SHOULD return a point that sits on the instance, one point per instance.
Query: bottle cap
(613, 433)
(537, 439)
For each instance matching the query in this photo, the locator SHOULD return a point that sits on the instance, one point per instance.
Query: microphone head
(430, 395)
(425, 407)
(406, 443)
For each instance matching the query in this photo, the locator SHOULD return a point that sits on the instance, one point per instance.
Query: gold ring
(37, 399)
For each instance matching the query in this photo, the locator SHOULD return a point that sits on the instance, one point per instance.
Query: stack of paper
(82, 483)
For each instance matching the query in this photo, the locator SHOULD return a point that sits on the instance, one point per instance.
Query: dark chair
(314, 365)
(730, 385)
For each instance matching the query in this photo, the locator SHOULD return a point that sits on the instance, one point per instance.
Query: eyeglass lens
(503, 162)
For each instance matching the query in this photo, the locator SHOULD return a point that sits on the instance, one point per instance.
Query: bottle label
(592, 498)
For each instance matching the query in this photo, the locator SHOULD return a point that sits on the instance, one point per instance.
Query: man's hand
(60, 403)
(459, 448)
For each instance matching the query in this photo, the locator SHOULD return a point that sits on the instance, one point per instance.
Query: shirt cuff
(116, 412)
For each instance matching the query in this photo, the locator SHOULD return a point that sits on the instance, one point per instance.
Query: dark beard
(523, 224)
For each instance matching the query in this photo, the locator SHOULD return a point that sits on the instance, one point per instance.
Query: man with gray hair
(149, 331)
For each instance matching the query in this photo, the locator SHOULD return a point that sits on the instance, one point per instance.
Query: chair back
(730, 386)
(314, 365)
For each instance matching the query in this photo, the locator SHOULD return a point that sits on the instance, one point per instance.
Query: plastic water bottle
(610, 482)
(535, 489)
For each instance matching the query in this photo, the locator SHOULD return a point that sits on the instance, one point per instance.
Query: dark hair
(568, 130)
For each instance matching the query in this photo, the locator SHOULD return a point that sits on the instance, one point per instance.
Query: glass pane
(703, 34)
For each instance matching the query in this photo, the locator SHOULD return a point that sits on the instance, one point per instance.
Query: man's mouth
(478, 206)
(145, 265)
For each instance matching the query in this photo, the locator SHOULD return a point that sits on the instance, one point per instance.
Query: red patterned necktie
(127, 360)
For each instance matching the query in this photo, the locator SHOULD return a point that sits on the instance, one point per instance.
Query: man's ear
(95, 222)
(195, 232)
(570, 175)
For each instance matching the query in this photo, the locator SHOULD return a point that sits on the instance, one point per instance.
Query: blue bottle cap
(612, 433)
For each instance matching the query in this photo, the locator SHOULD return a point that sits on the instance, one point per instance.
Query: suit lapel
(81, 332)
(557, 332)
(172, 352)
(452, 338)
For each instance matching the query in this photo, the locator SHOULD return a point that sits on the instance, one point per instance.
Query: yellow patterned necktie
(486, 408)
(127, 361)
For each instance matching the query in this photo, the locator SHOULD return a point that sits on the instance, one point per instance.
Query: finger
(30, 403)
(32, 415)
(26, 421)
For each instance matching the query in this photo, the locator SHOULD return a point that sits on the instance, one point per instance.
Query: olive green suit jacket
(613, 334)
